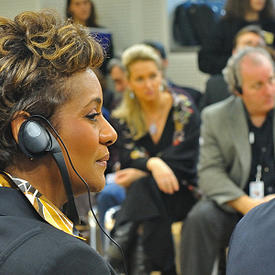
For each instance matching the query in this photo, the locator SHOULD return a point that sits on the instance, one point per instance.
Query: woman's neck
(81, 22)
(149, 107)
(257, 118)
(252, 16)
(40, 177)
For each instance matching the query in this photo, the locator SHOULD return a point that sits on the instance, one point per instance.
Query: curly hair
(38, 53)
(238, 8)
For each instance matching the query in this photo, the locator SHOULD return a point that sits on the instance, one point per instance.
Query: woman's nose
(108, 135)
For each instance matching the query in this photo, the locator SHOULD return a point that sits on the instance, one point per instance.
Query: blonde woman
(158, 144)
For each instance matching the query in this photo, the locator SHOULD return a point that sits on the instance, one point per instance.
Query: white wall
(132, 21)
(10, 8)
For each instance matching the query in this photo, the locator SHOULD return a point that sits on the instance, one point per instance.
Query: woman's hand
(163, 175)
(126, 176)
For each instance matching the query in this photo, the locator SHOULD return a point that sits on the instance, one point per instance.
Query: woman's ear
(18, 118)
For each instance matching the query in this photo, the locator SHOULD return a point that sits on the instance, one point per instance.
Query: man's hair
(38, 54)
(248, 29)
(115, 62)
(232, 71)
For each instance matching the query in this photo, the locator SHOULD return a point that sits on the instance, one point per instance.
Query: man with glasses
(236, 166)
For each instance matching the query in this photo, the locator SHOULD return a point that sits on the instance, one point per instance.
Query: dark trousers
(206, 231)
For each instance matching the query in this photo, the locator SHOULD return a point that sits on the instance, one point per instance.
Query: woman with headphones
(53, 137)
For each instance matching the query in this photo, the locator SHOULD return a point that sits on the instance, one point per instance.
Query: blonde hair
(130, 110)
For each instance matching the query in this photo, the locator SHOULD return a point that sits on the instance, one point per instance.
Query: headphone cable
(87, 187)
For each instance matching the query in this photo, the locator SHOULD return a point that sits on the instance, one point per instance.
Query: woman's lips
(103, 161)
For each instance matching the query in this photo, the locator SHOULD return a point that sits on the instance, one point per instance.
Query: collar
(46, 209)
(269, 116)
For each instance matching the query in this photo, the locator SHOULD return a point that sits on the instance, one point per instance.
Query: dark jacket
(252, 250)
(178, 147)
(216, 90)
(218, 48)
(29, 245)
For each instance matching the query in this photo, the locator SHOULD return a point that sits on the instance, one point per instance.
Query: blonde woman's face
(145, 80)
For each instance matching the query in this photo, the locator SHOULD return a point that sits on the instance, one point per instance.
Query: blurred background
(130, 22)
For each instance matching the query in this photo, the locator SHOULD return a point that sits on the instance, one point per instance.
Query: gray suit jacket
(225, 152)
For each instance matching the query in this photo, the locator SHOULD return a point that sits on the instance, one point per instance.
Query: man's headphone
(35, 141)
(237, 87)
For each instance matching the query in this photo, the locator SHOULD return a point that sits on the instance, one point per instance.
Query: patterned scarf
(47, 210)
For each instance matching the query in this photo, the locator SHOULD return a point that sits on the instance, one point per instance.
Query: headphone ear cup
(239, 89)
(33, 139)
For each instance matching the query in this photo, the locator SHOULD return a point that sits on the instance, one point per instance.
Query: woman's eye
(93, 116)
(139, 79)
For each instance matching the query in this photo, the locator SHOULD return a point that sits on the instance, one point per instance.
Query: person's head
(118, 74)
(82, 11)
(251, 35)
(46, 69)
(143, 66)
(250, 75)
(239, 8)
(160, 50)
(145, 82)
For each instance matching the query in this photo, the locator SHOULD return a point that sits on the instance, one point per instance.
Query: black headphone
(34, 141)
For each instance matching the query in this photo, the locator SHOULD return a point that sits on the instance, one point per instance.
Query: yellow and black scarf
(47, 210)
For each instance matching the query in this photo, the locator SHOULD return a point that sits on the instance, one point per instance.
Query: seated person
(113, 194)
(84, 12)
(218, 47)
(251, 250)
(118, 75)
(237, 151)
(158, 135)
(49, 97)
(216, 87)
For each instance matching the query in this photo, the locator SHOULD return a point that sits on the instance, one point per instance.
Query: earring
(131, 94)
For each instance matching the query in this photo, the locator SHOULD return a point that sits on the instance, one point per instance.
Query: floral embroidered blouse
(178, 145)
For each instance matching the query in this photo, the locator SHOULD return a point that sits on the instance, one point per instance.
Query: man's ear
(18, 118)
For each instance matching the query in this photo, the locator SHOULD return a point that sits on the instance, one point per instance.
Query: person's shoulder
(75, 257)
(180, 97)
(229, 20)
(251, 249)
(48, 250)
(259, 219)
(217, 78)
(219, 108)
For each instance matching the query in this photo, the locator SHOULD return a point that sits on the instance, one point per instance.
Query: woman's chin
(98, 186)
